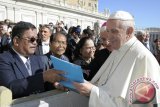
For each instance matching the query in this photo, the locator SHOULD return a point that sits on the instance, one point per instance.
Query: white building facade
(45, 11)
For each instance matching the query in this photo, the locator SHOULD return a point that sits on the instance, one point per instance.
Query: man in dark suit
(43, 40)
(20, 70)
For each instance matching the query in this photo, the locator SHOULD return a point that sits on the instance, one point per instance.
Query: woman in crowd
(84, 53)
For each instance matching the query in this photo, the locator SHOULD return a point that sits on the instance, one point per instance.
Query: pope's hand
(84, 88)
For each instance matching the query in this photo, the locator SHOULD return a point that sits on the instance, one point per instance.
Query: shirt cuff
(94, 90)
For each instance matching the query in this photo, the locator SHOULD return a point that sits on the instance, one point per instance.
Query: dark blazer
(14, 75)
(39, 50)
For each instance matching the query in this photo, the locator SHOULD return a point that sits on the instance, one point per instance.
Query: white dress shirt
(45, 47)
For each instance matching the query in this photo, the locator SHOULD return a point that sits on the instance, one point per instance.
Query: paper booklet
(72, 71)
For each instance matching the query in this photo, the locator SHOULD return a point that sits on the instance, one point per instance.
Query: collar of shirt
(46, 43)
(24, 59)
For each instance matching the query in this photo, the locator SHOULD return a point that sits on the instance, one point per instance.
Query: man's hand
(84, 88)
(57, 85)
(53, 76)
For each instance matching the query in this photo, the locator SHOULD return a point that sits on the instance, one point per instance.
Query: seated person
(84, 53)
(21, 71)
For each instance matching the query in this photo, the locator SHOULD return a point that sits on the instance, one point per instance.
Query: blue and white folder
(72, 71)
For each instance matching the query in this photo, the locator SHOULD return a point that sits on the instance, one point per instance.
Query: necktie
(28, 66)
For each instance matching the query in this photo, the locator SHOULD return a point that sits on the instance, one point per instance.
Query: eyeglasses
(60, 43)
(31, 40)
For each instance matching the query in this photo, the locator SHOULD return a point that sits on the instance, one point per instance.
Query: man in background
(43, 40)
(144, 38)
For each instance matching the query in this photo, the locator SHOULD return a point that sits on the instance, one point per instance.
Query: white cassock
(113, 80)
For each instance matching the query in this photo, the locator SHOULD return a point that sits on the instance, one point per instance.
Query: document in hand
(72, 72)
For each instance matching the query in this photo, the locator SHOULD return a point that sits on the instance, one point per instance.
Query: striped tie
(28, 66)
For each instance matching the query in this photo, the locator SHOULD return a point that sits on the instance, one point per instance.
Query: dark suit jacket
(14, 75)
(39, 50)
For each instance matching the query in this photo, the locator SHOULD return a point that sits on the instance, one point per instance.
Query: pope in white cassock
(130, 77)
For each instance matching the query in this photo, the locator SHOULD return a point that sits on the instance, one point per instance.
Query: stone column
(17, 14)
(10, 13)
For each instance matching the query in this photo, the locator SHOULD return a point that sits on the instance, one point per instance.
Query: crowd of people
(153, 47)
(111, 60)
(73, 45)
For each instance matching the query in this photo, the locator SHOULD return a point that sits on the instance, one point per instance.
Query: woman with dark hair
(84, 53)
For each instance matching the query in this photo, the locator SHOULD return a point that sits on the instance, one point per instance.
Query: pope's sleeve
(100, 98)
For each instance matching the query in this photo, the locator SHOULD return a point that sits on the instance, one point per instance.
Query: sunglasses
(31, 40)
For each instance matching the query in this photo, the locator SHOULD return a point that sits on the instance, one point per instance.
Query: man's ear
(16, 41)
(129, 32)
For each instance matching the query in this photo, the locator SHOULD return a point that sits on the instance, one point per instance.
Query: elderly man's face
(117, 35)
(45, 33)
(104, 39)
(146, 38)
(59, 45)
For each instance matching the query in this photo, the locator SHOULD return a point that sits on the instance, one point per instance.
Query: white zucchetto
(121, 15)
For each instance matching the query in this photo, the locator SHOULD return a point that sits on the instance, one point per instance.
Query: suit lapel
(36, 64)
(19, 64)
(33, 65)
